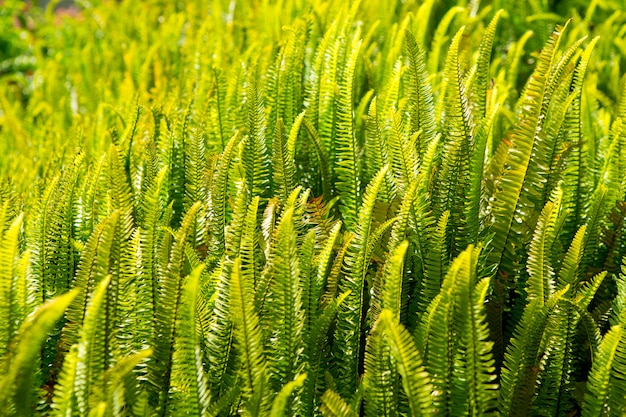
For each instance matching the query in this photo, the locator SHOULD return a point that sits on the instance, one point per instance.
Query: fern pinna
(312, 208)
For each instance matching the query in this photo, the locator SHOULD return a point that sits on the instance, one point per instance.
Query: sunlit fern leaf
(284, 306)
(576, 186)
(218, 343)
(539, 265)
(441, 320)
(174, 157)
(568, 274)
(401, 227)
(150, 233)
(64, 401)
(349, 316)
(195, 169)
(93, 268)
(280, 403)
(473, 385)
(476, 194)
(283, 166)
(608, 362)
(415, 380)
(440, 38)
(249, 340)
(167, 304)
(310, 286)
(392, 279)
(119, 380)
(458, 143)
(18, 365)
(315, 350)
(335, 406)
(554, 385)
(12, 306)
(602, 198)
(403, 153)
(478, 89)
(381, 379)
(50, 233)
(188, 391)
(90, 357)
(347, 166)
(218, 196)
(421, 104)
(523, 139)
(522, 357)
(285, 98)
(435, 263)
(376, 151)
(479, 362)
(255, 156)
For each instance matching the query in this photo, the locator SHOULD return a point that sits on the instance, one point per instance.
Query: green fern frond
(19, 363)
(422, 109)
(610, 358)
(381, 379)
(349, 317)
(279, 405)
(167, 304)
(415, 380)
(347, 150)
(539, 266)
(522, 357)
(188, 391)
(255, 156)
(335, 406)
(250, 344)
(478, 88)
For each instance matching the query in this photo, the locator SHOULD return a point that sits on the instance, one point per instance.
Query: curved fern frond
(19, 362)
(610, 359)
(335, 406)
(415, 379)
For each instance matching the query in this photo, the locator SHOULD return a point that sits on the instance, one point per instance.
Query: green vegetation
(294, 207)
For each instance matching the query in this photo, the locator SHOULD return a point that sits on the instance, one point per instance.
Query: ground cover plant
(298, 207)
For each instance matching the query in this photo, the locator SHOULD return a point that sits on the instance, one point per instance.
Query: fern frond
(188, 391)
(250, 344)
(478, 88)
(598, 400)
(381, 379)
(415, 379)
(422, 109)
(335, 406)
(349, 317)
(19, 362)
(167, 305)
(255, 156)
(279, 405)
(347, 150)
(522, 356)
(539, 266)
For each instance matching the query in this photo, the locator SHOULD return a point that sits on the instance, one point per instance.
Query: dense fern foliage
(313, 207)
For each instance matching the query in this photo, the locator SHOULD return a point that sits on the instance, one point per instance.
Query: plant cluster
(299, 207)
